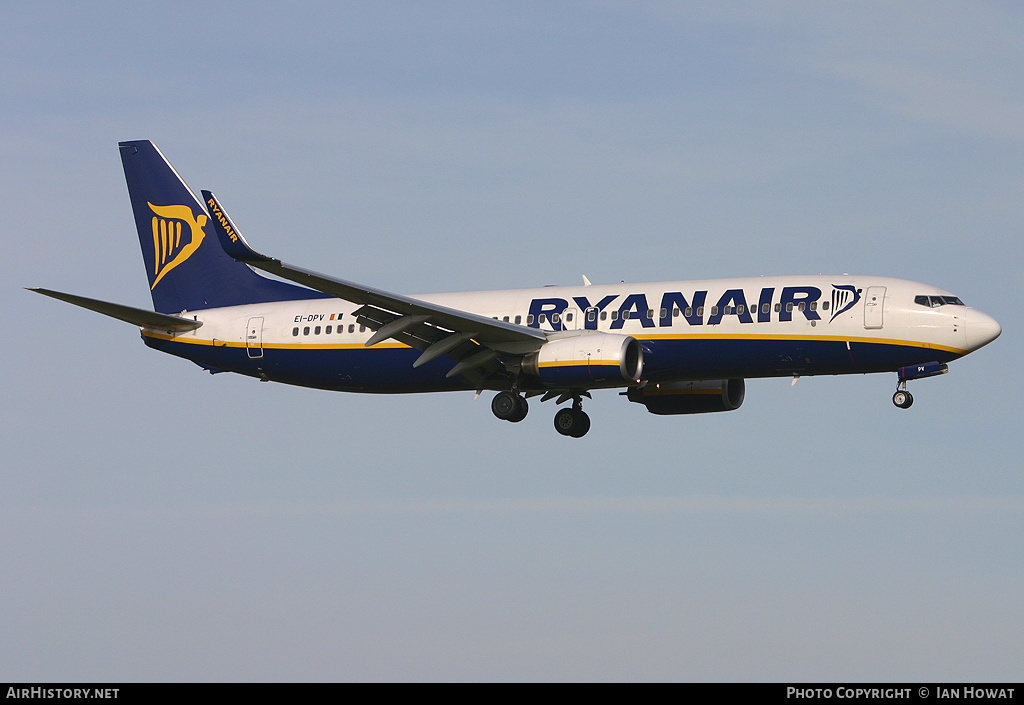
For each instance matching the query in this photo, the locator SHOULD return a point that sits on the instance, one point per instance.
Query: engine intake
(690, 397)
(587, 360)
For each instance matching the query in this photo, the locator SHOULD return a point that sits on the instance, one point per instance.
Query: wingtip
(230, 239)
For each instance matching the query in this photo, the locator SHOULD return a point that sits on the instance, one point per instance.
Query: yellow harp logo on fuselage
(168, 251)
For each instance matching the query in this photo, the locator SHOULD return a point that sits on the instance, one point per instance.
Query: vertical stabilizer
(186, 265)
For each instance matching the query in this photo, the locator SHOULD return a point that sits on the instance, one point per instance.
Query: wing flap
(474, 360)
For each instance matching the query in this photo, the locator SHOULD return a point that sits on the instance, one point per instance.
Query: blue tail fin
(187, 267)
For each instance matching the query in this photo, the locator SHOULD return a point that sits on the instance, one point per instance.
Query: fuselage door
(874, 300)
(254, 337)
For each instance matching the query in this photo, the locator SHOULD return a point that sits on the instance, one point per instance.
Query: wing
(480, 345)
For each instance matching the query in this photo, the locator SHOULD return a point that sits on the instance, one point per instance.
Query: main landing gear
(573, 422)
(509, 406)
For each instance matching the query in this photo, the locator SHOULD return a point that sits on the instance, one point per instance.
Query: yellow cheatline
(571, 363)
(271, 346)
(580, 363)
(798, 337)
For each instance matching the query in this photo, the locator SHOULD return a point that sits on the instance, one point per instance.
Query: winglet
(230, 239)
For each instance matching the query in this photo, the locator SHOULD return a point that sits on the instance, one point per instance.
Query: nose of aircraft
(981, 329)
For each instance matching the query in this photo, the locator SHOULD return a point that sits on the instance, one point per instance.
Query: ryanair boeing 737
(679, 347)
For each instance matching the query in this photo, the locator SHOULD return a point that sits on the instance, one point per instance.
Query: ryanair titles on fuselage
(791, 300)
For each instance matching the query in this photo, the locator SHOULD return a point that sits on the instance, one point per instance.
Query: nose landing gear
(902, 398)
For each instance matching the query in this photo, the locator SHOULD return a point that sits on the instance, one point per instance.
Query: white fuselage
(752, 327)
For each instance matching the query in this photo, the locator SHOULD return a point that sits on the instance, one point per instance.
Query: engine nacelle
(587, 360)
(690, 397)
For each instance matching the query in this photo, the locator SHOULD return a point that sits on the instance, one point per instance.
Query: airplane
(677, 347)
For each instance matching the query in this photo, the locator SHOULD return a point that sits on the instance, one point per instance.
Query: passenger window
(295, 330)
(519, 319)
(615, 315)
(305, 331)
(362, 328)
(789, 307)
(765, 308)
(814, 305)
(778, 307)
(689, 311)
(351, 327)
(328, 330)
(505, 319)
(824, 305)
(714, 310)
(542, 319)
(650, 313)
(664, 313)
(316, 331)
(604, 315)
(700, 311)
(529, 319)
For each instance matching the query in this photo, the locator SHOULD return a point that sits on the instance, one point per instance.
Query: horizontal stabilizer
(128, 314)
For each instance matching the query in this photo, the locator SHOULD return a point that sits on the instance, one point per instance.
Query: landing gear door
(874, 303)
(254, 337)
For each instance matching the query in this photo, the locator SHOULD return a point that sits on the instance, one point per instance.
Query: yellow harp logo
(168, 251)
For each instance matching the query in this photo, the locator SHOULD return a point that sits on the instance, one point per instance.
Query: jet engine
(690, 397)
(587, 360)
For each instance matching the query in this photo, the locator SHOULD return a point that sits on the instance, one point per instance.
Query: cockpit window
(936, 301)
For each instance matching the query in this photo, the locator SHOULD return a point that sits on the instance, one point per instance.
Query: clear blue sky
(162, 524)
